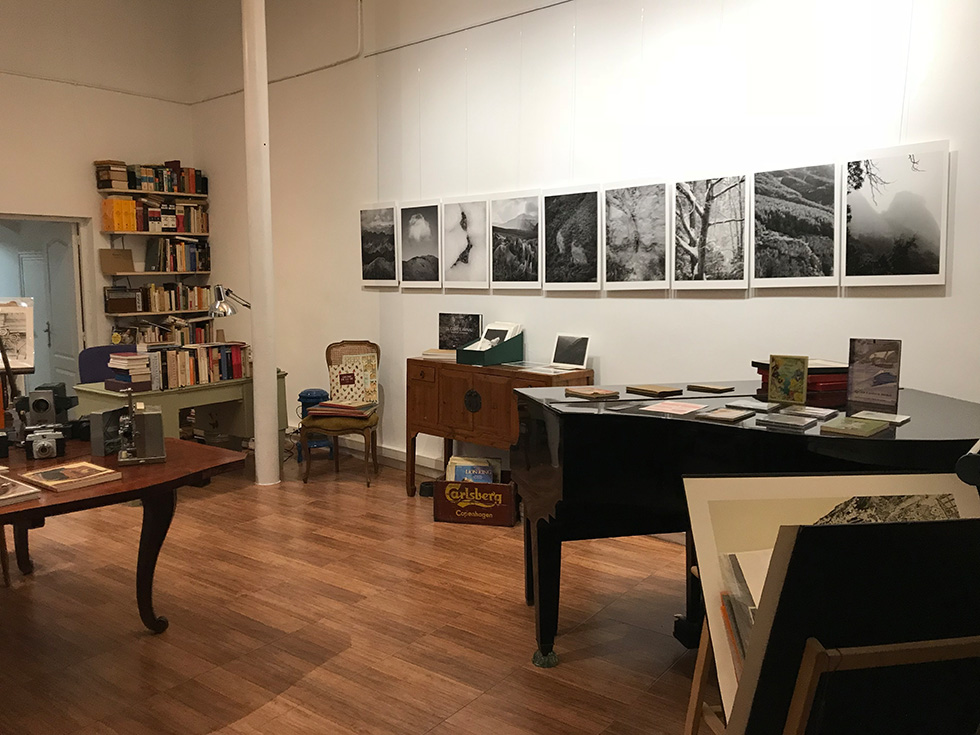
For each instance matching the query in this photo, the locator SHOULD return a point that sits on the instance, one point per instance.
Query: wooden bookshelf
(152, 192)
(127, 274)
(155, 313)
(165, 234)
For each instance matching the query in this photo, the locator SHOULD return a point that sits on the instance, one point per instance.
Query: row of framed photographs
(876, 219)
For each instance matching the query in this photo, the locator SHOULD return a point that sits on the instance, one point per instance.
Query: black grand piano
(602, 469)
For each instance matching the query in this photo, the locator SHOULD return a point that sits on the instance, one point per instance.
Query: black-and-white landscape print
(378, 245)
(895, 215)
(420, 244)
(464, 244)
(571, 238)
(795, 223)
(636, 235)
(514, 241)
(709, 230)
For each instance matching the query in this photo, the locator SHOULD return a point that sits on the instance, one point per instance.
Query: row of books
(173, 366)
(165, 254)
(181, 332)
(157, 298)
(167, 177)
(122, 214)
(343, 409)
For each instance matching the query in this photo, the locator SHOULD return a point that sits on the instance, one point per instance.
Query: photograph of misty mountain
(636, 234)
(794, 222)
(378, 244)
(571, 238)
(464, 243)
(894, 214)
(420, 244)
(709, 227)
(514, 240)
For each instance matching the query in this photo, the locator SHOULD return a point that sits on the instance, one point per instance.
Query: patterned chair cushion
(339, 423)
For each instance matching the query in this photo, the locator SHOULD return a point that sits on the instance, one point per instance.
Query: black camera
(45, 445)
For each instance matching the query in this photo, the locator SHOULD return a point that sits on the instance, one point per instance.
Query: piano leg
(528, 564)
(546, 580)
(687, 628)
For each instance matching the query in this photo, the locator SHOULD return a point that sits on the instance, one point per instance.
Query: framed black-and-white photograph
(571, 239)
(710, 234)
(794, 227)
(465, 243)
(634, 253)
(420, 232)
(896, 216)
(515, 239)
(379, 246)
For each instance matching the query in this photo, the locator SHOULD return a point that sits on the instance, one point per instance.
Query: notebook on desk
(570, 353)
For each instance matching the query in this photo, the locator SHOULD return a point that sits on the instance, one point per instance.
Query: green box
(510, 351)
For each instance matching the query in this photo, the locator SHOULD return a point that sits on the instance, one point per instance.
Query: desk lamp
(224, 302)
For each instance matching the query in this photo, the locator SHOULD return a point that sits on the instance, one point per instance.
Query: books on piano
(782, 421)
(657, 391)
(676, 408)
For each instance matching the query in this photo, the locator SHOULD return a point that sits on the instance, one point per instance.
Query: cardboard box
(483, 503)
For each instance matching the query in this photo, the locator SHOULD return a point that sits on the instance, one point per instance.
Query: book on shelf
(850, 426)
(113, 261)
(710, 388)
(676, 408)
(591, 393)
(727, 415)
(895, 419)
(782, 421)
(812, 412)
(169, 177)
(71, 476)
(13, 491)
(657, 391)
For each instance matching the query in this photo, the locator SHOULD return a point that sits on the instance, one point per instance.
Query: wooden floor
(332, 608)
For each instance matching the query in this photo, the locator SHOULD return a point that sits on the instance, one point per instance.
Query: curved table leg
(158, 511)
(22, 550)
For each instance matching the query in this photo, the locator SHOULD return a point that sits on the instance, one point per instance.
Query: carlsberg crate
(485, 503)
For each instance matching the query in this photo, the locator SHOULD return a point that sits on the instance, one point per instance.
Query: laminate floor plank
(331, 607)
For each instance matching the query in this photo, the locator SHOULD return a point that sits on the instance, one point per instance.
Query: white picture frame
(570, 243)
(420, 237)
(730, 193)
(456, 239)
(918, 176)
(799, 193)
(650, 220)
(566, 343)
(374, 220)
(515, 262)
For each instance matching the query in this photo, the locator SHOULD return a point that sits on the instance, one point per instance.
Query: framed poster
(17, 331)
(710, 233)
(379, 245)
(465, 243)
(895, 216)
(571, 239)
(515, 244)
(634, 237)
(420, 236)
(794, 234)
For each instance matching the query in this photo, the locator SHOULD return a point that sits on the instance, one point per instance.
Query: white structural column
(259, 198)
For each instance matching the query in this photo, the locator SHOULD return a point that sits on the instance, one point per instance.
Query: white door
(34, 283)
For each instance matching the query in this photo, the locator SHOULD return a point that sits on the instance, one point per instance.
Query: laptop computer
(571, 352)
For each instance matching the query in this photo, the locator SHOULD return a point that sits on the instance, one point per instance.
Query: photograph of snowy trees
(709, 233)
(636, 237)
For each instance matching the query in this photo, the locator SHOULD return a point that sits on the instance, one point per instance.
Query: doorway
(39, 260)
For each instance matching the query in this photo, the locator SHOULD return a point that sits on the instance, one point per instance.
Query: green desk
(226, 405)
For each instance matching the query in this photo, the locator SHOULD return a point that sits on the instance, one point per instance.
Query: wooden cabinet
(468, 403)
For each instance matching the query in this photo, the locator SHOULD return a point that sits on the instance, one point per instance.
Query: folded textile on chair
(348, 409)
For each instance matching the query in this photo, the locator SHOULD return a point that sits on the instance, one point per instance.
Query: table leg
(410, 464)
(158, 511)
(687, 627)
(22, 550)
(546, 569)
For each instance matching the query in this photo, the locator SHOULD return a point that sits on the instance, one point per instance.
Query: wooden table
(155, 485)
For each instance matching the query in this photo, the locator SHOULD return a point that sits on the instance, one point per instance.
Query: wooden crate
(484, 503)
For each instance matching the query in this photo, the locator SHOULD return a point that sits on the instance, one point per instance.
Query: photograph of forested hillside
(895, 216)
(465, 244)
(378, 246)
(514, 224)
(709, 232)
(636, 236)
(571, 240)
(420, 245)
(794, 224)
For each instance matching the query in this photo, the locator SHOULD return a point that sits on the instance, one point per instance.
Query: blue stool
(307, 399)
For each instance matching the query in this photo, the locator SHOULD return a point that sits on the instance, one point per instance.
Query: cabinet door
(496, 418)
(422, 403)
(453, 385)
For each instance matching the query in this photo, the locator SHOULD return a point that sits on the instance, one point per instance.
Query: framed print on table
(465, 243)
(710, 234)
(794, 231)
(515, 244)
(420, 232)
(896, 208)
(634, 237)
(379, 245)
(571, 239)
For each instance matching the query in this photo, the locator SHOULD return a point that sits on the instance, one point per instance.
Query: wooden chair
(335, 427)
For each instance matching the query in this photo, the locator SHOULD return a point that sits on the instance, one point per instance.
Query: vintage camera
(45, 444)
(47, 404)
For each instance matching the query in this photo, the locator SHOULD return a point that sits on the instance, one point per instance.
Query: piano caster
(545, 660)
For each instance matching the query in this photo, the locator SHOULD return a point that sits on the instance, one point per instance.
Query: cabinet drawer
(422, 372)
(530, 383)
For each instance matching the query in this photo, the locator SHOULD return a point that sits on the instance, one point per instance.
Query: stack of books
(129, 370)
(111, 174)
(343, 409)
(826, 383)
